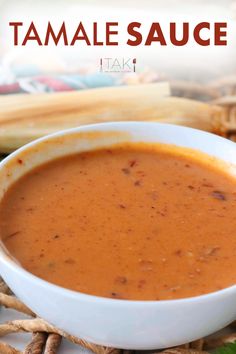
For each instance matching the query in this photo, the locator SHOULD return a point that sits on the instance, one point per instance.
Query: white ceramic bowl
(111, 322)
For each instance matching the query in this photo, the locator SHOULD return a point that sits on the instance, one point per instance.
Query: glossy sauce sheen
(135, 222)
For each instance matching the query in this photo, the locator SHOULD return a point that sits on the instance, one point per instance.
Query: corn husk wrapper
(24, 117)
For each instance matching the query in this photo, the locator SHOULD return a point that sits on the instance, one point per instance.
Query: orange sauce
(134, 222)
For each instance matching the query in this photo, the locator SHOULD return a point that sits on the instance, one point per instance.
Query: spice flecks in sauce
(132, 222)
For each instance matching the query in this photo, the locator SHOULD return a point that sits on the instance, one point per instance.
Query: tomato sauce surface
(133, 222)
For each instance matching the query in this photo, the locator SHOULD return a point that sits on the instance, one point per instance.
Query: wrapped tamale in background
(24, 117)
(43, 90)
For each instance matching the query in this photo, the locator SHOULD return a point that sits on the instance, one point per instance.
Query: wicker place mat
(20, 341)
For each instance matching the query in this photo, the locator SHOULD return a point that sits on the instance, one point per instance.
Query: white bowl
(117, 323)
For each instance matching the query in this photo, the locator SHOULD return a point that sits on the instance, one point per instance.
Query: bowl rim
(15, 267)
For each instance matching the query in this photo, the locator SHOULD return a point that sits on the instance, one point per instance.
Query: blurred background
(47, 69)
(46, 89)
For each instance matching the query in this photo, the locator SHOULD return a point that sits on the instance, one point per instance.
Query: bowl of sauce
(123, 234)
